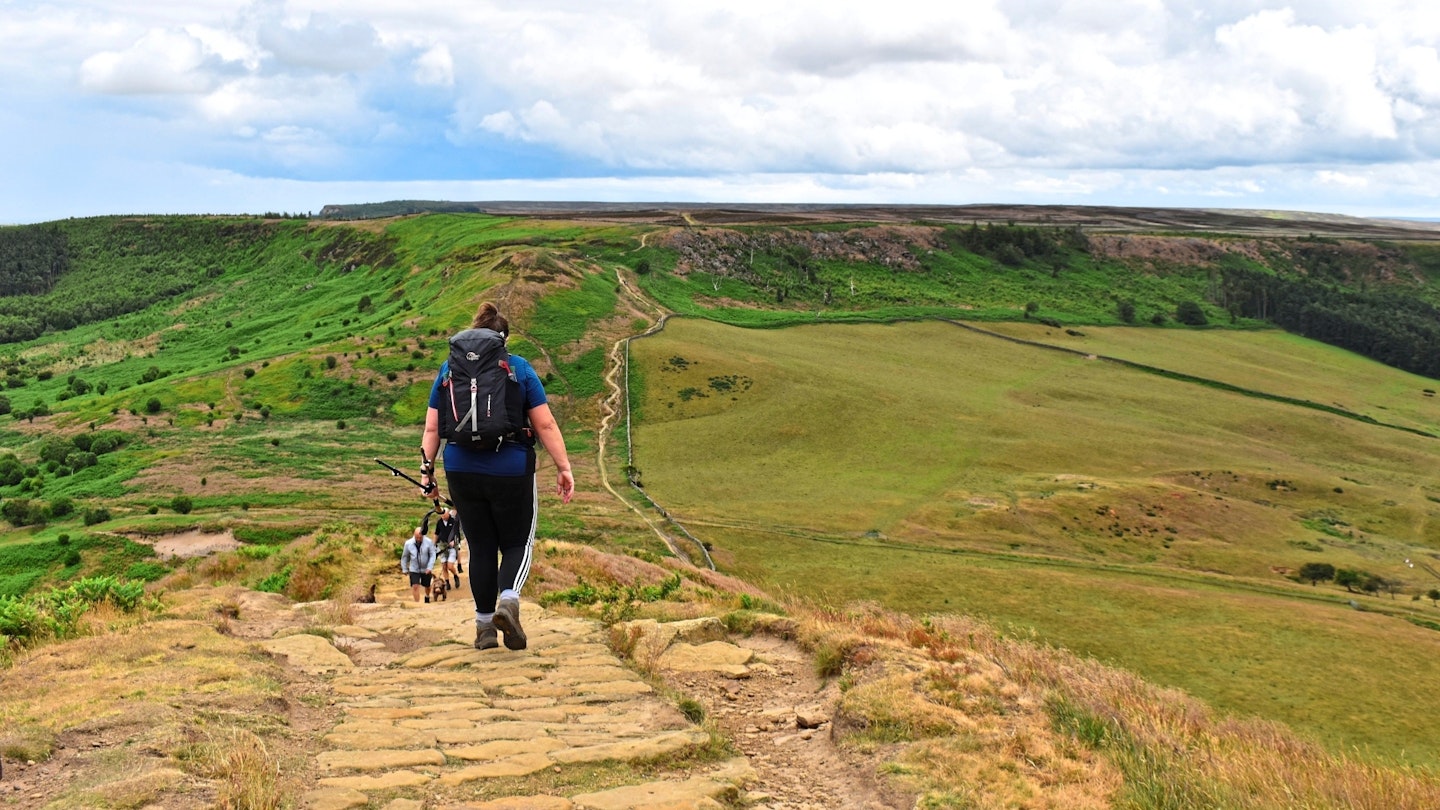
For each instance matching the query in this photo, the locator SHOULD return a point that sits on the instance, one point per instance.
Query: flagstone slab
(696, 793)
(554, 714)
(522, 765)
(520, 704)
(333, 799)
(395, 737)
(377, 759)
(613, 688)
(538, 690)
(430, 658)
(572, 652)
(494, 716)
(632, 750)
(385, 781)
(386, 713)
(437, 723)
(309, 652)
(516, 803)
(713, 656)
(448, 706)
(592, 673)
(602, 659)
(354, 631)
(504, 749)
(518, 730)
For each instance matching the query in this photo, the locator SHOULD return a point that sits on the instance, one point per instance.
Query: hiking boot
(485, 636)
(507, 618)
(427, 600)
(457, 582)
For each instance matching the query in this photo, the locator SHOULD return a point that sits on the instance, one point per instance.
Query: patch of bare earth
(190, 544)
(779, 717)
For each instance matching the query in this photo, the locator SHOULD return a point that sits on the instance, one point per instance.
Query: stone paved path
(432, 726)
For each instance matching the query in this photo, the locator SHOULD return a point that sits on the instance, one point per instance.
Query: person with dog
(447, 542)
(418, 560)
(490, 407)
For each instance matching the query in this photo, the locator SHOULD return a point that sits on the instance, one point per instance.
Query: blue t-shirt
(512, 458)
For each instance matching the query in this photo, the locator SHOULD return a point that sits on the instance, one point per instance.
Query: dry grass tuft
(250, 777)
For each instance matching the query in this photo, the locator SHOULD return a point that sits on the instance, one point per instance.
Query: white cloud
(1343, 179)
(1086, 99)
(160, 62)
(436, 67)
(319, 42)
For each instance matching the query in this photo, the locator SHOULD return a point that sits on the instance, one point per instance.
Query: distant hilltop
(1103, 218)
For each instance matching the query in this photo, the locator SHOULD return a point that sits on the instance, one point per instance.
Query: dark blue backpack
(482, 403)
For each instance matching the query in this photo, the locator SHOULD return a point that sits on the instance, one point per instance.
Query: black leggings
(497, 515)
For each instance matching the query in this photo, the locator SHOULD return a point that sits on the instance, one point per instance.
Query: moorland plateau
(1059, 444)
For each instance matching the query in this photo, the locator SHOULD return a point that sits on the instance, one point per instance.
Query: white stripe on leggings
(529, 541)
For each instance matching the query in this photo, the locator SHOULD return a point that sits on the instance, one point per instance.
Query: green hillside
(240, 375)
(1154, 523)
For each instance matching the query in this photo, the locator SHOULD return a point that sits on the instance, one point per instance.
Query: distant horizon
(641, 205)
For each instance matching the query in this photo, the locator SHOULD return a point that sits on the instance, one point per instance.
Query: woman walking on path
(493, 486)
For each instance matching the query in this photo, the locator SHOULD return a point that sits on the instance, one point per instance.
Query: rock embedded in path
(715, 656)
(385, 781)
(516, 803)
(310, 653)
(700, 793)
(811, 716)
(633, 750)
(378, 759)
(652, 637)
(521, 765)
(333, 799)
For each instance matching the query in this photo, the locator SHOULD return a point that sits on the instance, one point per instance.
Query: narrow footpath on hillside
(427, 721)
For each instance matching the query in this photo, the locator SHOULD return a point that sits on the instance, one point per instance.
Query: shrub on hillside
(23, 512)
(97, 515)
(1191, 314)
(182, 504)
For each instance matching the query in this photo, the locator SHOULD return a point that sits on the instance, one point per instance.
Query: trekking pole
(436, 499)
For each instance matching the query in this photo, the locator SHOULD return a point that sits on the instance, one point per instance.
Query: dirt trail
(616, 399)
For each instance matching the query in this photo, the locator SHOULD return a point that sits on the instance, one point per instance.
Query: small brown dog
(439, 589)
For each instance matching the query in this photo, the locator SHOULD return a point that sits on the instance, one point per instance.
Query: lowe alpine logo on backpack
(484, 403)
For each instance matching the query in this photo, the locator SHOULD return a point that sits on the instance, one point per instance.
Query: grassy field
(1272, 361)
(935, 469)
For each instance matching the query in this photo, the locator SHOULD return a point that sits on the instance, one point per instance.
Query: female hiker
(490, 407)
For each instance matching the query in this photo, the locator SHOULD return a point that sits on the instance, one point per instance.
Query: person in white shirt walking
(418, 560)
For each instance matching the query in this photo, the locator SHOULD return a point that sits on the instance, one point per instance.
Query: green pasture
(1271, 361)
(977, 440)
(810, 454)
(1360, 682)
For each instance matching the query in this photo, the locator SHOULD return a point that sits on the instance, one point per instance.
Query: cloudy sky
(163, 106)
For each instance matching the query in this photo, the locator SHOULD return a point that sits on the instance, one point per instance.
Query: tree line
(32, 258)
(1392, 326)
